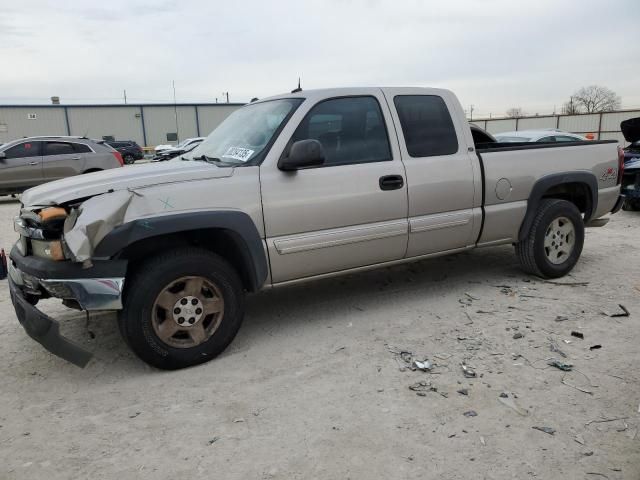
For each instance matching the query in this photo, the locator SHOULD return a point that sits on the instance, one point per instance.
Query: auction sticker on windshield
(238, 153)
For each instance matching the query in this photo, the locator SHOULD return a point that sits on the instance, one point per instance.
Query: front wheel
(555, 241)
(182, 308)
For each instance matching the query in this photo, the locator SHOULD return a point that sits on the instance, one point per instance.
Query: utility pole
(125, 96)
(471, 113)
(175, 109)
(226, 94)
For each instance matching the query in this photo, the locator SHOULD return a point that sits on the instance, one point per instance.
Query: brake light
(620, 164)
(119, 158)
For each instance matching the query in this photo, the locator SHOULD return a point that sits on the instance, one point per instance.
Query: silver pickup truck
(293, 188)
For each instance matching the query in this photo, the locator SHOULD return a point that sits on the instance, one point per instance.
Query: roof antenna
(299, 89)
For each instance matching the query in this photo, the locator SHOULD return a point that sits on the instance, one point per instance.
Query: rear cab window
(427, 126)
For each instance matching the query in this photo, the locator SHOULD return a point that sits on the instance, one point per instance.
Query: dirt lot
(312, 387)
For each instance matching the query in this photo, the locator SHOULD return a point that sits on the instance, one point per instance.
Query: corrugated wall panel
(499, 126)
(536, 123)
(14, 122)
(161, 120)
(611, 121)
(95, 122)
(212, 116)
(614, 136)
(580, 123)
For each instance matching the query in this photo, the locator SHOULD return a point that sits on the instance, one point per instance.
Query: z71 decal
(609, 174)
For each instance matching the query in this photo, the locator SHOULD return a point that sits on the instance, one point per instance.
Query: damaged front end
(52, 258)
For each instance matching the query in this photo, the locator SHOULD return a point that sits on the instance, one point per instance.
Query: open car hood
(631, 129)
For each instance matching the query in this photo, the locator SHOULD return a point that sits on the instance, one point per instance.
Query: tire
(128, 159)
(560, 255)
(631, 205)
(142, 320)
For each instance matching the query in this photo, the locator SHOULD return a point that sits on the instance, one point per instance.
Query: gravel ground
(314, 386)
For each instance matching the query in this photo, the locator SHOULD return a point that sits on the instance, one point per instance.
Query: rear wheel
(631, 205)
(182, 308)
(128, 159)
(555, 241)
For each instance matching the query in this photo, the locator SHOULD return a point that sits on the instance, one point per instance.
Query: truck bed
(510, 171)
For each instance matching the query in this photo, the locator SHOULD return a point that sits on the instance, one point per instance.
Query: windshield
(501, 138)
(245, 134)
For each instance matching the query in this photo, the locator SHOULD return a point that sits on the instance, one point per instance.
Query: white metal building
(147, 124)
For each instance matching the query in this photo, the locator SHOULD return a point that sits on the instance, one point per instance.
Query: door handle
(75, 158)
(391, 182)
(34, 163)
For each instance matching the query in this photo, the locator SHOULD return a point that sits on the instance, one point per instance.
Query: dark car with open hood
(631, 178)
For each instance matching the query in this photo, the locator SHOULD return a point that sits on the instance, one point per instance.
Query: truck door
(443, 177)
(349, 212)
(21, 166)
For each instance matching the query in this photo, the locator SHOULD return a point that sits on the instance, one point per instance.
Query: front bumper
(98, 287)
(46, 331)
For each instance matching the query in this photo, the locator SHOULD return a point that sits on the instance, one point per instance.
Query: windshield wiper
(204, 158)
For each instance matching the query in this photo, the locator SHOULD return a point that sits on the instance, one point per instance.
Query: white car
(539, 136)
(182, 145)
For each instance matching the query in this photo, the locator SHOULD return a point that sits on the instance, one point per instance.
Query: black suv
(129, 150)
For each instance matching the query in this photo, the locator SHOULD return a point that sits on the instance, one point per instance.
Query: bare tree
(515, 112)
(571, 107)
(596, 98)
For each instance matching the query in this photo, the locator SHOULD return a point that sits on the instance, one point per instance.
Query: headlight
(51, 250)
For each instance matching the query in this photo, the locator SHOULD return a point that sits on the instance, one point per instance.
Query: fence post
(599, 125)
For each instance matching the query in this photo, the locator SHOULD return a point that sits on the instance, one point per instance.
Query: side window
(563, 138)
(58, 148)
(23, 150)
(81, 148)
(426, 125)
(546, 139)
(350, 129)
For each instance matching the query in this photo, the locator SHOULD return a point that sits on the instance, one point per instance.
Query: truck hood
(631, 129)
(125, 178)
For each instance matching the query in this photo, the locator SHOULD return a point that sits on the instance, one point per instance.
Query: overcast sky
(494, 54)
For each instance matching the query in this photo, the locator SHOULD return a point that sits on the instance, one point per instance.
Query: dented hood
(631, 129)
(130, 177)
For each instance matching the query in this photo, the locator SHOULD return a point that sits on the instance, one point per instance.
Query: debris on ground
(554, 348)
(470, 413)
(579, 439)
(595, 347)
(213, 440)
(561, 318)
(468, 371)
(238, 420)
(624, 313)
(547, 430)
(565, 367)
(576, 334)
(134, 415)
(424, 366)
(422, 387)
(509, 400)
(463, 391)
(518, 335)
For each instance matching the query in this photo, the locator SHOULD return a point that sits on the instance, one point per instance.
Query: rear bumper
(618, 204)
(45, 330)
